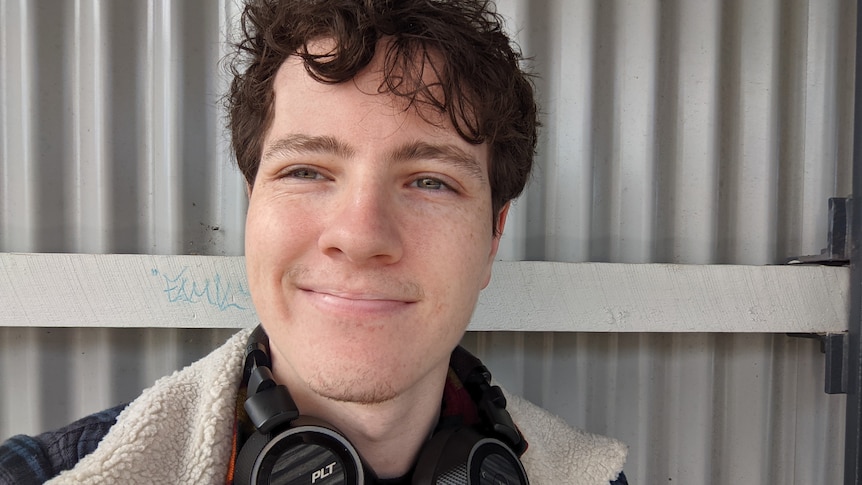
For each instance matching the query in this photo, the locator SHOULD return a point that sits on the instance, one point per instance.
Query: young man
(382, 142)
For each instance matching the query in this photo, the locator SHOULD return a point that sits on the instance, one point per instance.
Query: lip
(354, 304)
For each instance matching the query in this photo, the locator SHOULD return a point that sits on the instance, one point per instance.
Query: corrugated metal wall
(675, 131)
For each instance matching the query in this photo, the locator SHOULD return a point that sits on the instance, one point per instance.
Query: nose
(363, 225)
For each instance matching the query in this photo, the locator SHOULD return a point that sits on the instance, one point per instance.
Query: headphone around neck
(290, 449)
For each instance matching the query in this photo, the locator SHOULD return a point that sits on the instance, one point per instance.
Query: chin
(352, 387)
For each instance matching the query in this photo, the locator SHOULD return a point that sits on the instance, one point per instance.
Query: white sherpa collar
(179, 432)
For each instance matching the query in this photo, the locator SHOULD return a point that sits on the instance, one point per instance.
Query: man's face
(368, 237)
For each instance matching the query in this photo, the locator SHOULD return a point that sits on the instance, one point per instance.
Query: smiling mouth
(355, 303)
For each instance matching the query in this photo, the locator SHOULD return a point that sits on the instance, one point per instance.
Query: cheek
(457, 249)
(258, 231)
(276, 219)
(273, 236)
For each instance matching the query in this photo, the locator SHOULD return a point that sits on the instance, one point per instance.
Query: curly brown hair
(480, 85)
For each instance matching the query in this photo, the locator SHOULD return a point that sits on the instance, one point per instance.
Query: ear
(495, 243)
(501, 224)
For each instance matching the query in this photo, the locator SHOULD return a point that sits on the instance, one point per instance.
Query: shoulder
(558, 451)
(177, 431)
(188, 413)
(28, 459)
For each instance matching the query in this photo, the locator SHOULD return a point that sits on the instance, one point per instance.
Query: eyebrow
(450, 154)
(298, 144)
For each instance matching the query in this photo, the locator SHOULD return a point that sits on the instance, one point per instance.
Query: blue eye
(430, 183)
(304, 173)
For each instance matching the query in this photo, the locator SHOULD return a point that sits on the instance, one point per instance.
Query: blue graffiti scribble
(214, 291)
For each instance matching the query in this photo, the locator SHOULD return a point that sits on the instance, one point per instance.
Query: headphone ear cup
(463, 455)
(309, 451)
(247, 456)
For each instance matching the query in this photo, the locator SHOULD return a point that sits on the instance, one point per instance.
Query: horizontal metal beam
(88, 290)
